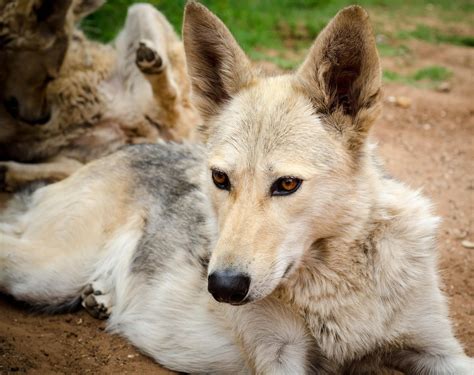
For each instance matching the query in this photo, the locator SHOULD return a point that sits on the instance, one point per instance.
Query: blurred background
(280, 31)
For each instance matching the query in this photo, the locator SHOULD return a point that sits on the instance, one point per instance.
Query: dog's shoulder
(167, 181)
(169, 166)
(406, 216)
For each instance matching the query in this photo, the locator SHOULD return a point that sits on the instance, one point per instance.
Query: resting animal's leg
(144, 43)
(65, 235)
(426, 363)
(430, 346)
(14, 175)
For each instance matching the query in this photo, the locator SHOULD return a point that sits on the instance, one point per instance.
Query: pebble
(459, 234)
(380, 39)
(403, 102)
(400, 101)
(427, 126)
(468, 244)
(444, 87)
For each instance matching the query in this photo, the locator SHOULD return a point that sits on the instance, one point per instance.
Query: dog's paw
(97, 302)
(147, 59)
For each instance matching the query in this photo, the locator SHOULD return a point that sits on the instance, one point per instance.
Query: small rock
(443, 87)
(459, 234)
(427, 126)
(130, 356)
(468, 244)
(391, 99)
(380, 39)
(79, 322)
(402, 101)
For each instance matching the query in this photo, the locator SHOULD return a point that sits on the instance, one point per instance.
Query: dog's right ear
(51, 14)
(216, 64)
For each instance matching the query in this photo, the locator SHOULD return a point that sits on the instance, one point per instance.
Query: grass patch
(270, 24)
(391, 50)
(429, 76)
(433, 35)
(433, 73)
(277, 59)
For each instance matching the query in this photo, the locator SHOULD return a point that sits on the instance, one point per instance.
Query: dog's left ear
(51, 14)
(342, 72)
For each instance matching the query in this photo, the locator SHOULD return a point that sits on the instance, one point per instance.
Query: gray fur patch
(177, 211)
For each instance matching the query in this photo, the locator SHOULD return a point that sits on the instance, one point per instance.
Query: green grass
(432, 35)
(393, 49)
(277, 25)
(426, 77)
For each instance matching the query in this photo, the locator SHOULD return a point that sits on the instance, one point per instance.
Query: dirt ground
(427, 140)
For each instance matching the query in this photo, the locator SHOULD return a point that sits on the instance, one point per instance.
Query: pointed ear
(51, 14)
(342, 72)
(216, 64)
(82, 8)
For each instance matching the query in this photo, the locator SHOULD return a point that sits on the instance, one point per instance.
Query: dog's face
(33, 44)
(283, 151)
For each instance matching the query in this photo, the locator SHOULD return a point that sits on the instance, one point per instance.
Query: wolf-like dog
(92, 98)
(279, 247)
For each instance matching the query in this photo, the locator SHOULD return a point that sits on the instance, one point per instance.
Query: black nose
(228, 286)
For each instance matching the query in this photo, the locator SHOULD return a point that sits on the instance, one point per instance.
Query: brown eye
(220, 179)
(285, 186)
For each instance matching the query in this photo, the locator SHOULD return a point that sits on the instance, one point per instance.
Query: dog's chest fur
(351, 294)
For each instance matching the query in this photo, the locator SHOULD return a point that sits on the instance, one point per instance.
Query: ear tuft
(216, 64)
(342, 71)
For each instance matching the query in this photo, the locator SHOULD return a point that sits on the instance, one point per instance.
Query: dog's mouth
(288, 269)
(241, 303)
(233, 301)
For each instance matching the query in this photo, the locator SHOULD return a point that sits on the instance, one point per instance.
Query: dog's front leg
(274, 340)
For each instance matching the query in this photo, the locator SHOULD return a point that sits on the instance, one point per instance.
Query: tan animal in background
(99, 97)
(280, 248)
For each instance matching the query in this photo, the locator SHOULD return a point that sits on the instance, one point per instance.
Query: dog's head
(284, 151)
(34, 37)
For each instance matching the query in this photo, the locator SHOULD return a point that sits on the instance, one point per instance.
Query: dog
(278, 247)
(81, 99)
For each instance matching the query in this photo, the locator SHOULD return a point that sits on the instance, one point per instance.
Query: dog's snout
(40, 120)
(228, 286)
(12, 105)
